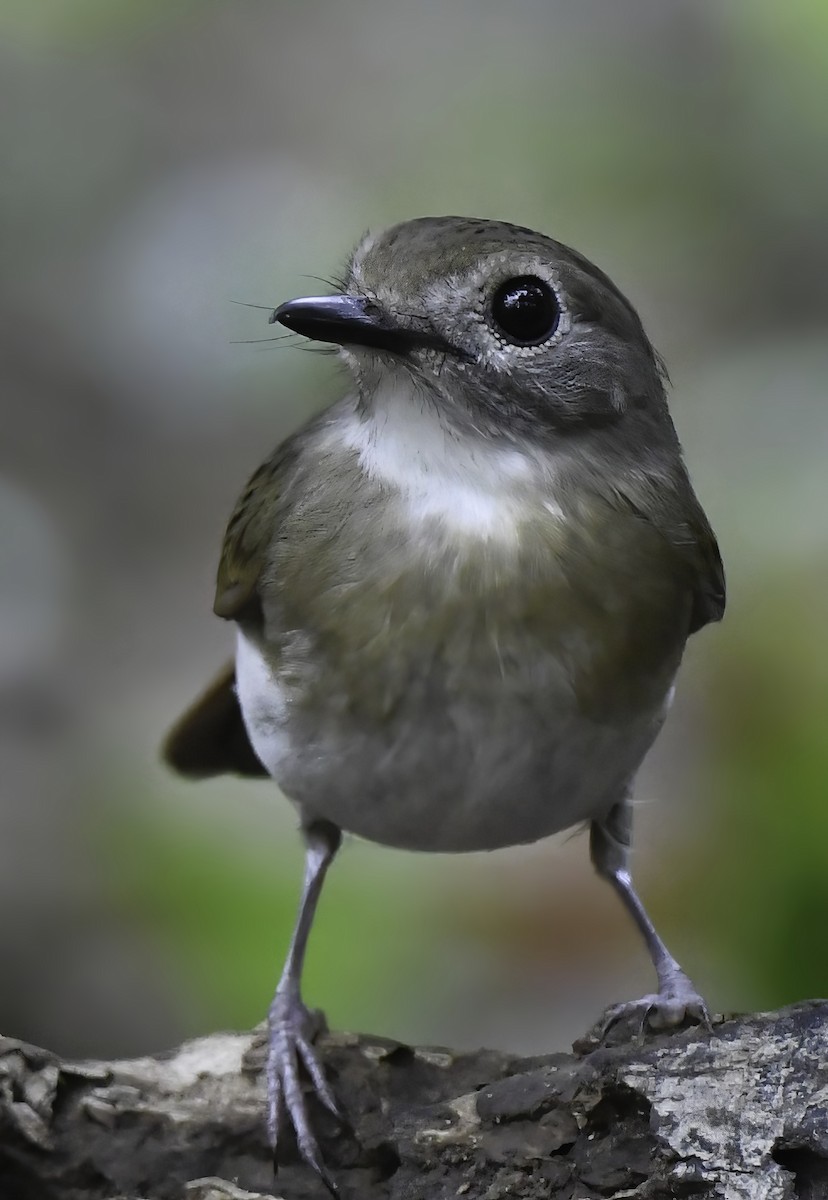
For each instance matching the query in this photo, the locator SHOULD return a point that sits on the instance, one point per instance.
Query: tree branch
(741, 1112)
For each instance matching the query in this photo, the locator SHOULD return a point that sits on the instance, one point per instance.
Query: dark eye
(526, 310)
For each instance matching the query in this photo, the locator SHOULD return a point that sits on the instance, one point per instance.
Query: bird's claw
(291, 1030)
(676, 1003)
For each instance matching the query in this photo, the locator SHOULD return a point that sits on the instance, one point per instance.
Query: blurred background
(163, 159)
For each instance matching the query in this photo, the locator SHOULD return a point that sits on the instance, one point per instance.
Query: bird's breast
(396, 595)
(434, 650)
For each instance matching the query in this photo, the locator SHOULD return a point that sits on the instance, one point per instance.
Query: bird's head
(505, 329)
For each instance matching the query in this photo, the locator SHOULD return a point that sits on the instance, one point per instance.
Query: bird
(461, 594)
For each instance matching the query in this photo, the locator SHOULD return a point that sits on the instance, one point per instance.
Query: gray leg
(291, 1025)
(676, 999)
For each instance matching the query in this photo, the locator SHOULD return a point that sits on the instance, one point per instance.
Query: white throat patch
(470, 485)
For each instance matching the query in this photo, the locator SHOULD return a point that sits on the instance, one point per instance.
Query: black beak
(352, 321)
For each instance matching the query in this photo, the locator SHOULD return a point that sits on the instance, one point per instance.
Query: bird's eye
(526, 310)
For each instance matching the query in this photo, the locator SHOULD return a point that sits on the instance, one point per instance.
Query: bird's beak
(352, 321)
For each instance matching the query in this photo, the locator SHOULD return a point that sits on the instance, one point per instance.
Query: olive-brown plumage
(463, 592)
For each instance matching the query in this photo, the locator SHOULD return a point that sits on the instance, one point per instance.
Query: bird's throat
(460, 482)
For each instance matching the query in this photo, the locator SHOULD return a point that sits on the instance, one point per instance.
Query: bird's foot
(291, 1031)
(675, 1003)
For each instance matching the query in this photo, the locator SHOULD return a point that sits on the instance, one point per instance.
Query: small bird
(462, 593)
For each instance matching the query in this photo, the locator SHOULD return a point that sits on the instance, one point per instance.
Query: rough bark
(739, 1112)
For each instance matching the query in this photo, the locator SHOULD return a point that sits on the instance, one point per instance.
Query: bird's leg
(676, 999)
(291, 1025)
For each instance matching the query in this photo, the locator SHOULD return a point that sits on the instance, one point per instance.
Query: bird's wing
(249, 533)
(709, 593)
(210, 737)
(675, 511)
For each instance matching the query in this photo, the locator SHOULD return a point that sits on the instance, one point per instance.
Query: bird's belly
(483, 769)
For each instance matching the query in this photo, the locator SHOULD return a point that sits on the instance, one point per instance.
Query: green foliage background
(161, 160)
